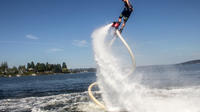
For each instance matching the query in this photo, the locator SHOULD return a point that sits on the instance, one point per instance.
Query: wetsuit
(126, 12)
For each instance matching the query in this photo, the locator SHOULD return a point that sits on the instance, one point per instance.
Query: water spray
(132, 70)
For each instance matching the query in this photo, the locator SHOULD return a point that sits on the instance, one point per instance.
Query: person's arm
(129, 5)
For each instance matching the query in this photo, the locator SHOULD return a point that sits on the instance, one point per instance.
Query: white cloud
(32, 37)
(55, 50)
(80, 43)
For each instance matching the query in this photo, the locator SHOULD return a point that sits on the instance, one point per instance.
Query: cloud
(80, 43)
(54, 50)
(32, 37)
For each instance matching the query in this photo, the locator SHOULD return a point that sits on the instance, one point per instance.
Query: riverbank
(31, 74)
(70, 71)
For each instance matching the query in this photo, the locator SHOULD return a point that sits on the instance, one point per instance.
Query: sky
(56, 31)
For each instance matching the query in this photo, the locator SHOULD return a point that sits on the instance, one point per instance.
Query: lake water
(68, 92)
(43, 85)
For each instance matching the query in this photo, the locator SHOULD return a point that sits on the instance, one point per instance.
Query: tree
(48, 67)
(51, 66)
(4, 67)
(40, 67)
(22, 69)
(28, 66)
(64, 68)
(32, 65)
(57, 68)
(0, 70)
(13, 71)
(64, 65)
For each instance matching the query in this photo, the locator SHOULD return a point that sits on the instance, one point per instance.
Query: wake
(122, 93)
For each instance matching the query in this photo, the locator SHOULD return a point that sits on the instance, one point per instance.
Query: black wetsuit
(126, 12)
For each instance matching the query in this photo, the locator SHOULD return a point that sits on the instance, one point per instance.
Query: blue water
(43, 85)
(68, 92)
(169, 76)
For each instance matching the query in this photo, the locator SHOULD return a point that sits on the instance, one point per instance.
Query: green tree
(36, 67)
(22, 69)
(28, 66)
(57, 68)
(4, 67)
(64, 68)
(43, 67)
(13, 71)
(0, 70)
(64, 65)
(48, 67)
(40, 67)
(32, 65)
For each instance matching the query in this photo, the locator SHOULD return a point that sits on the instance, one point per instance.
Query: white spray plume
(122, 94)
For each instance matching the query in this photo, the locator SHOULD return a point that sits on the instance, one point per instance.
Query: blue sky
(56, 31)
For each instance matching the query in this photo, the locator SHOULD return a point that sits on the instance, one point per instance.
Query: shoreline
(39, 74)
(34, 74)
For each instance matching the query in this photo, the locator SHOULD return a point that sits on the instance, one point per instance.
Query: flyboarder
(125, 14)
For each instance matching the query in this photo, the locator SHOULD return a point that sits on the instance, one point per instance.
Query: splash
(128, 94)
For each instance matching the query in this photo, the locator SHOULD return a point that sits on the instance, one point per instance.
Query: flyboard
(115, 25)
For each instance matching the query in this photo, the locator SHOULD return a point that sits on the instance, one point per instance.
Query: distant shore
(71, 71)
(33, 74)
(190, 62)
(40, 69)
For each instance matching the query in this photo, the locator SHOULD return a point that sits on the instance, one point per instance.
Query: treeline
(33, 69)
(82, 70)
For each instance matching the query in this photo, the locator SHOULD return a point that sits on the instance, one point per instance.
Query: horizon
(95, 67)
(56, 31)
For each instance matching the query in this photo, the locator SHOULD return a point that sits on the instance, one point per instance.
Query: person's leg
(125, 17)
(121, 16)
(122, 27)
(120, 20)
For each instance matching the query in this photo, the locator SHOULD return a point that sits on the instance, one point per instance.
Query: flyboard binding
(116, 25)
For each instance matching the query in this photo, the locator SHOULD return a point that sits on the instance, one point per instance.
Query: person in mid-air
(128, 9)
